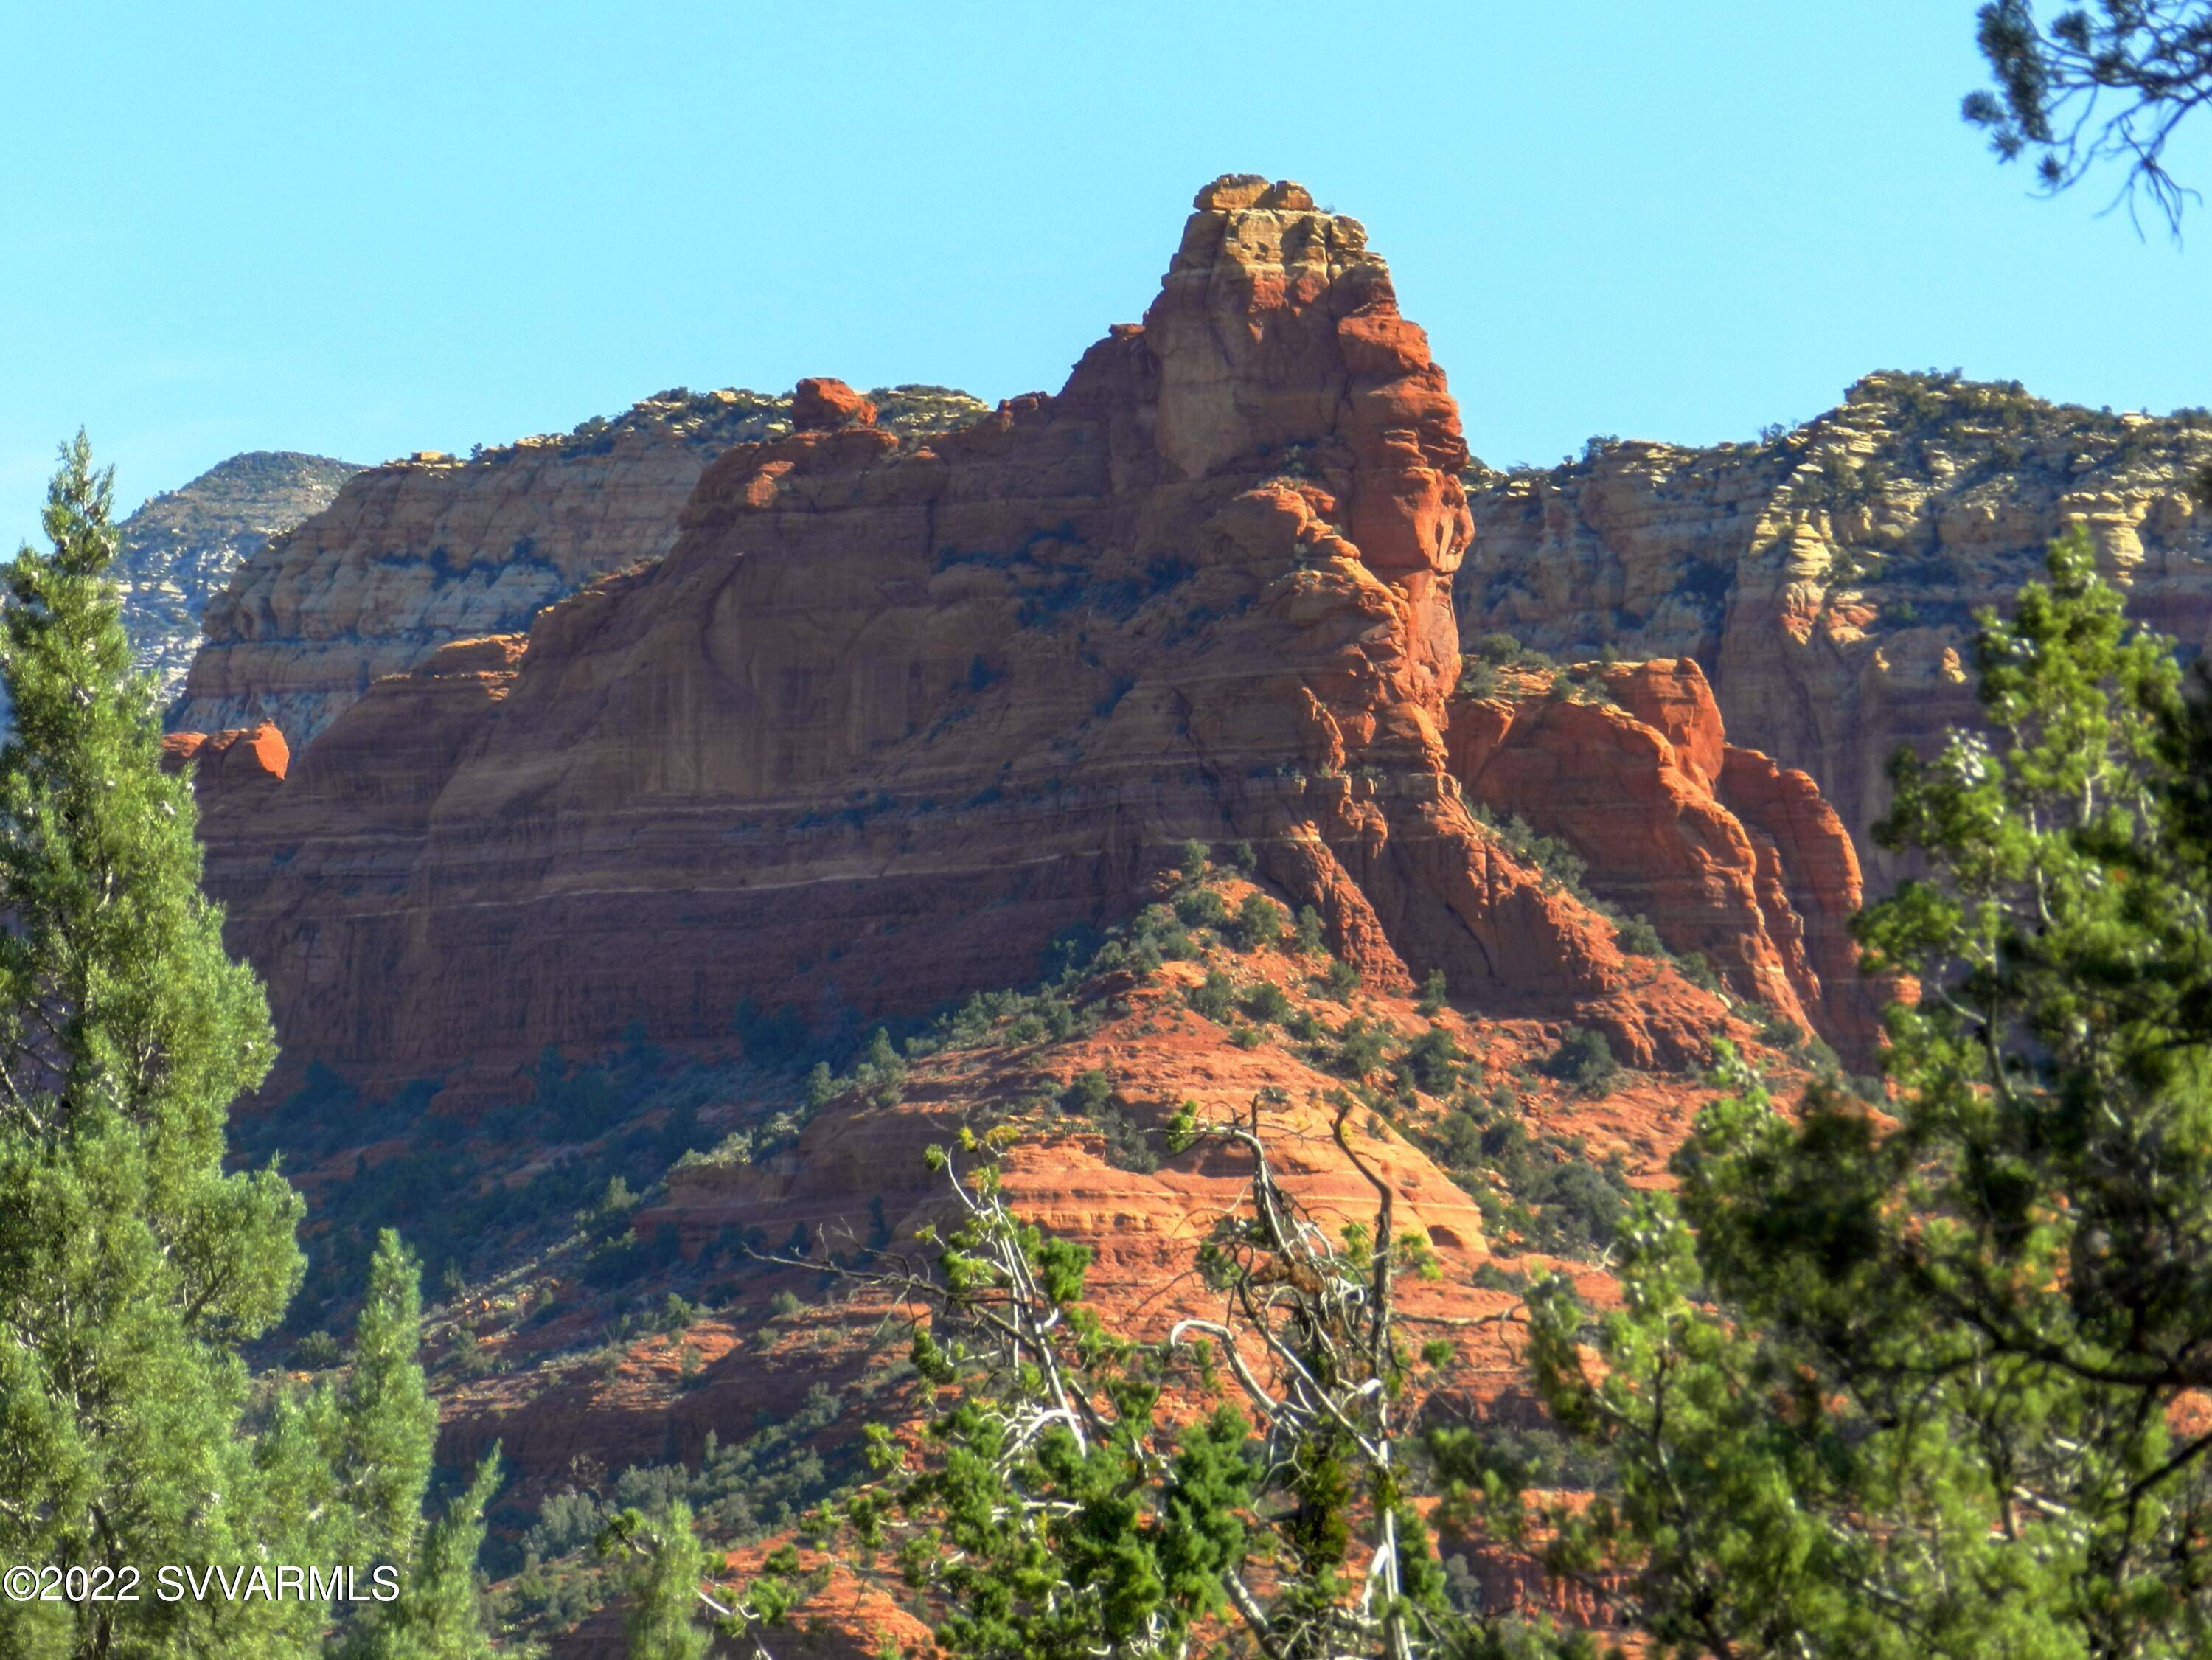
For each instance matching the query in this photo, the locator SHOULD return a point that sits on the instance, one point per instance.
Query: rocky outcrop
(419, 552)
(1723, 851)
(896, 709)
(1826, 578)
(177, 552)
(234, 771)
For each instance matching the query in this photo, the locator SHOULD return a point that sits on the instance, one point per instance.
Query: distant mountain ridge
(1826, 577)
(179, 548)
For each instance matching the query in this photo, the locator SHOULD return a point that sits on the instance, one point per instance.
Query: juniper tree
(133, 1266)
(439, 1614)
(1246, 1487)
(1928, 1381)
(131, 1263)
(378, 1427)
(385, 1419)
(663, 1620)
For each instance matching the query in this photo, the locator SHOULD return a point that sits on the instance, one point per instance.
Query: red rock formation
(824, 405)
(1724, 853)
(895, 710)
(1809, 867)
(419, 552)
(242, 766)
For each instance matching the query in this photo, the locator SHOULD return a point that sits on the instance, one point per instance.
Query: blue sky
(363, 230)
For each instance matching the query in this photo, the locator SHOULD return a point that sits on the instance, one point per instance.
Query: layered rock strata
(419, 552)
(1726, 853)
(1826, 578)
(180, 550)
(895, 710)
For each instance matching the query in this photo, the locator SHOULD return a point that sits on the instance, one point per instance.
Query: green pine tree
(1928, 1382)
(380, 1430)
(439, 1613)
(386, 1423)
(664, 1621)
(131, 1264)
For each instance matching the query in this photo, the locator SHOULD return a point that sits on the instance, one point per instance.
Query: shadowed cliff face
(895, 711)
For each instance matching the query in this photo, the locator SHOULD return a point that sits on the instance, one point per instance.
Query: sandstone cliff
(432, 549)
(896, 709)
(1725, 852)
(1825, 577)
(180, 550)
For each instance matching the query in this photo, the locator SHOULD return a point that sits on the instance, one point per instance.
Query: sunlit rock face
(414, 555)
(895, 709)
(1826, 578)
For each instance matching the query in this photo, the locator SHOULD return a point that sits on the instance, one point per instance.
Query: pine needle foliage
(131, 1262)
(133, 1265)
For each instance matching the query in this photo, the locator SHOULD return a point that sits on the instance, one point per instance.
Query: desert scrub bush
(1201, 907)
(1157, 929)
(1307, 936)
(1435, 992)
(1502, 649)
(1432, 1062)
(1212, 996)
(1579, 1204)
(1258, 924)
(881, 1074)
(1191, 864)
(1555, 861)
(1558, 1199)
(1698, 968)
(1362, 1047)
(1584, 1062)
(1268, 1002)
(1636, 937)
(1779, 1031)
(1129, 1145)
(1488, 1276)
(1087, 1093)
(1340, 980)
